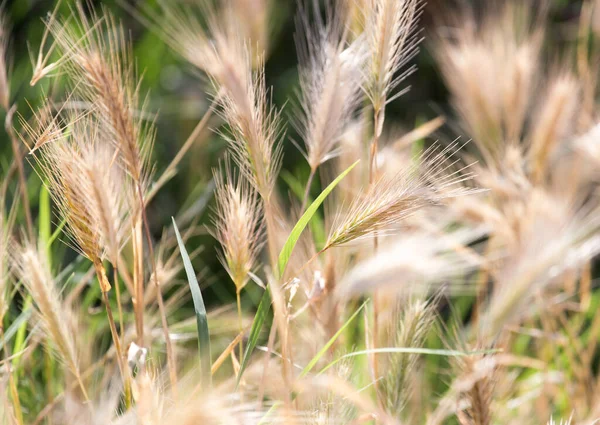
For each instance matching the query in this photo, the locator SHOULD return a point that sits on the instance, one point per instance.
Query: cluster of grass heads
(400, 281)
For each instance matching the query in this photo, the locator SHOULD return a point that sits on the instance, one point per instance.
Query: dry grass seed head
(490, 69)
(254, 134)
(392, 199)
(215, 46)
(555, 121)
(409, 327)
(89, 187)
(416, 263)
(555, 237)
(330, 79)
(238, 225)
(98, 61)
(54, 314)
(390, 35)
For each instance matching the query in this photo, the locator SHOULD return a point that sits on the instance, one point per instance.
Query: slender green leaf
(408, 350)
(329, 343)
(317, 226)
(44, 219)
(199, 309)
(57, 232)
(259, 319)
(15, 326)
(286, 252)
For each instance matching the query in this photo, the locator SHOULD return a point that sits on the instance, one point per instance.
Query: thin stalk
(161, 304)
(172, 167)
(271, 232)
(307, 190)
(21, 172)
(138, 281)
(14, 393)
(101, 275)
(128, 394)
(377, 125)
(270, 344)
(374, 145)
(119, 306)
(240, 322)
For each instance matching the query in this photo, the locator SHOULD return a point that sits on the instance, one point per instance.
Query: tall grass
(475, 304)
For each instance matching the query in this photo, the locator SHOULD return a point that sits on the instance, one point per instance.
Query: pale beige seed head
(331, 77)
(238, 225)
(491, 68)
(393, 198)
(54, 314)
(97, 58)
(90, 189)
(555, 122)
(390, 35)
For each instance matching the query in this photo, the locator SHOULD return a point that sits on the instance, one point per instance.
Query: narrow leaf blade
(259, 319)
(199, 309)
(287, 249)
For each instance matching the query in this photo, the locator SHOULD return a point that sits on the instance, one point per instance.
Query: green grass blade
(14, 328)
(199, 309)
(57, 232)
(259, 319)
(329, 343)
(44, 220)
(287, 249)
(317, 226)
(408, 350)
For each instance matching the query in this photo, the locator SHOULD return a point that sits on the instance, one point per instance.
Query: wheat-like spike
(504, 48)
(98, 61)
(554, 237)
(255, 134)
(330, 80)
(410, 327)
(238, 225)
(391, 199)
(555, 121)
(226, 57)
(87, 184)
(425, 259)
(55, 316)
(390, 33)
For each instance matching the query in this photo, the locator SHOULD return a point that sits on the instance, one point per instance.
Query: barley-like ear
(55, 315)
(98, 61)
(554, 237)
(491, 70)
(255, 134)
(416, 263)
(390, 33)
(477, 381)
(409, 328)
(392, 199)
(238, 225)
(89, 187)
(555, 121)
(330, 79)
